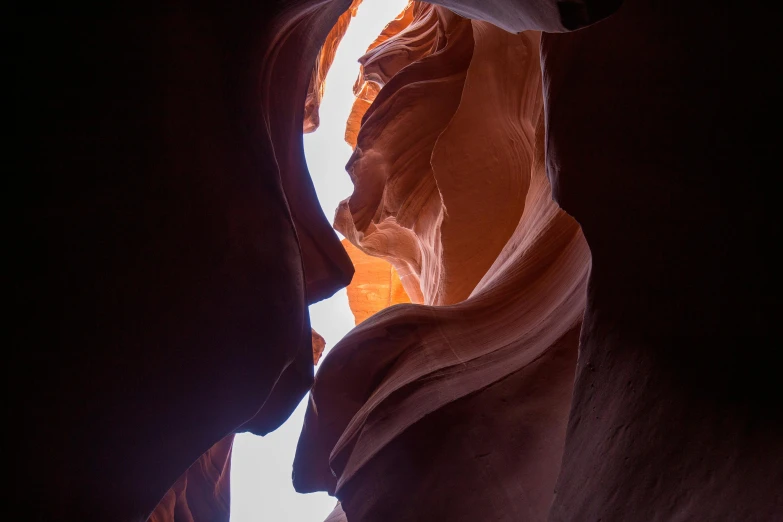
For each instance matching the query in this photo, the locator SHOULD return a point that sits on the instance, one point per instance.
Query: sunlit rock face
(315, 91)
(420, 413)
(375, 284)
(172, 241)
(416, 181)
(319, 343)
(411, 36)
(418, 395)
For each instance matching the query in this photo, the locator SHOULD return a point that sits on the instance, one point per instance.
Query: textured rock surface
(315, 91)
(676, 411)
(160, 286)
(375, 284)
(554, 16)
(337, 515)
(412, 36)
(318, 346)
(418, 395)
(202, 493)
(169, 242)
(416, 179)
(672, 418)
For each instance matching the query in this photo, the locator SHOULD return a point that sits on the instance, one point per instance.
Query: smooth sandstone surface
(167, 240)
(479, 390)
(375, 285)
(315, 91)
(429, 391)
(673, 414)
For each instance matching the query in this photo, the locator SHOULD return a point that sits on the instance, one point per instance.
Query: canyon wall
(375, 285)
(415, 178)
(673, 412)
(167, 240)
(418, 395)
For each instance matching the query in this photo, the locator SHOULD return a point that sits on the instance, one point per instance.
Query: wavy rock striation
(408, 38)
(375, 285)
(415, 177)
(169, 241)
(401, 404)
(417, 395)
(202, 493)
(315, 91)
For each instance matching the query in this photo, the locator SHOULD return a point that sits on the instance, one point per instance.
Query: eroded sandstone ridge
(670, 419)
(434, 389)
(415, 178)
(169, 242)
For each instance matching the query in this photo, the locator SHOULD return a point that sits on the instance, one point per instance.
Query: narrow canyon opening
(170, 255)
(261, 487)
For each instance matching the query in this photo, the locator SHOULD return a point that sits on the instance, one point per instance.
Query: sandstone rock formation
(169, 243)
(202, 493)
(669, 420)
(416, 182)
(315, 91)
(417, 375)
(375, 285)
(408, 38)
(337, 515)
(418, 395)
(318, 346)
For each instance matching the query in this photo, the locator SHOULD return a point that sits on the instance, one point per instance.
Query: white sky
(261, 488)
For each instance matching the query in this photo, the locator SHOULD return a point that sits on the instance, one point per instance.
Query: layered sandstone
(418, 395)
(398, 403)
(170, 241)
(416, 181)
(375, 285)
(202, 493)
(315, 91)
(410, 37)
(642, 151)
(319, 344)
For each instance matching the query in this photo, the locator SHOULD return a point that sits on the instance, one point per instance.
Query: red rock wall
(403, 402)
(202, 493)
(648, 145)
(670, 418)
(410, 37)
(315, 91)
(375, 285)
(418, 395)
(166, 241)
(414, 201)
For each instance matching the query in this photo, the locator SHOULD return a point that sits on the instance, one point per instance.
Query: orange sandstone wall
(315, 91)
(424, 199)
(375, 284)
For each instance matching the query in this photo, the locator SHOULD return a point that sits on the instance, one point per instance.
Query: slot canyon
(557, 250)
